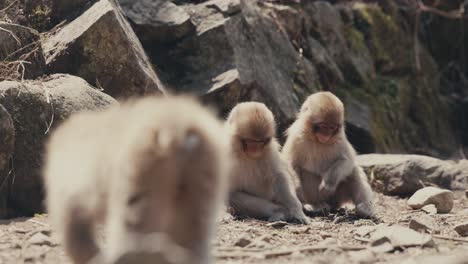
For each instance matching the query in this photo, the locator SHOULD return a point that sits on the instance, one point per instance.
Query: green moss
(389, 44)
(354, 38)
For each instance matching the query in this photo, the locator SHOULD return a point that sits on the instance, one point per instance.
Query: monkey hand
(326, 189)
(298, 216)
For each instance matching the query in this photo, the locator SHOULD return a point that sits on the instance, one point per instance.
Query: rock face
(442, 199)
(36, 107)
(7, 143)
(20, 53)
(405, 174)
(285, 50)
(101, 47)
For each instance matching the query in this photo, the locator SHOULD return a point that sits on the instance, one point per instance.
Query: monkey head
(323, 117)
(252, 127)
(174, 144)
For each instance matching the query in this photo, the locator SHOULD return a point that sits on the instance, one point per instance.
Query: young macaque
(260, 184)
(149, 168)
(324, 161)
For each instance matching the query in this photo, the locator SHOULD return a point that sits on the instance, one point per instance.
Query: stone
(442, 199)
(466, 193)
(403, 175)
(399, 237)
(36, 108)
(157, 22)
(462, 229)
(110, 54)
(41, 239)
(424, 224)
(363, 231)
(19, 43)
(243, 242)
(277, 224)
(430, 209)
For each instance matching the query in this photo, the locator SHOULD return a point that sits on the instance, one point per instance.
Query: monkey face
(325, 131)
(254, 148)
(252, 126)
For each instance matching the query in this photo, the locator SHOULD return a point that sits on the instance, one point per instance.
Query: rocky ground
(333, 239)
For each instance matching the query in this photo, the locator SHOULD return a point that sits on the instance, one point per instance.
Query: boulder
(101, 47)
(195, 63)
(7, 143)
(462, 229)
(36, 107)
(62, 9)
(405, 174)
(442, 199)
(20, 53)
(266, 58)
(157, 22)
(226, 92)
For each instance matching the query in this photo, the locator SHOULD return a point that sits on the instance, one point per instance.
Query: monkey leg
(310, 192)
(79, 238)
(357, 189)
(245, 204)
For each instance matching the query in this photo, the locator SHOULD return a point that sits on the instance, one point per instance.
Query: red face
(325, 131)
(254, 148)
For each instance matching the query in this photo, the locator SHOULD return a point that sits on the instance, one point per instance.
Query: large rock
(157, 21)
(20, 53)
(7, 144)
(405, 174)
(101, 47)
(265, 56)
(36, 107)
(442, 199)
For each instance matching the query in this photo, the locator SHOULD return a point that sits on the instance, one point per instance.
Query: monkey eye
(326, 128)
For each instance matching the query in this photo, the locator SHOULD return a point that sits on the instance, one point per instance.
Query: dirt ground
(333, 239)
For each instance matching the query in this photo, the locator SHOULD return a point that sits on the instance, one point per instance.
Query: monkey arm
(284, 195)
(341, 168)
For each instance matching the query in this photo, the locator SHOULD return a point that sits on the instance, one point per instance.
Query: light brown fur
(326, 173)
(153, 165)
(260, 187)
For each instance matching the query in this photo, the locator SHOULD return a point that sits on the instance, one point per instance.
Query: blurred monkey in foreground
(260, 184)
(324, 161)
(150, 166)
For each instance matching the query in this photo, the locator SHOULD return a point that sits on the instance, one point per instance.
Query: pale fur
(331, 166)
(262, 187)
(152, 165)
